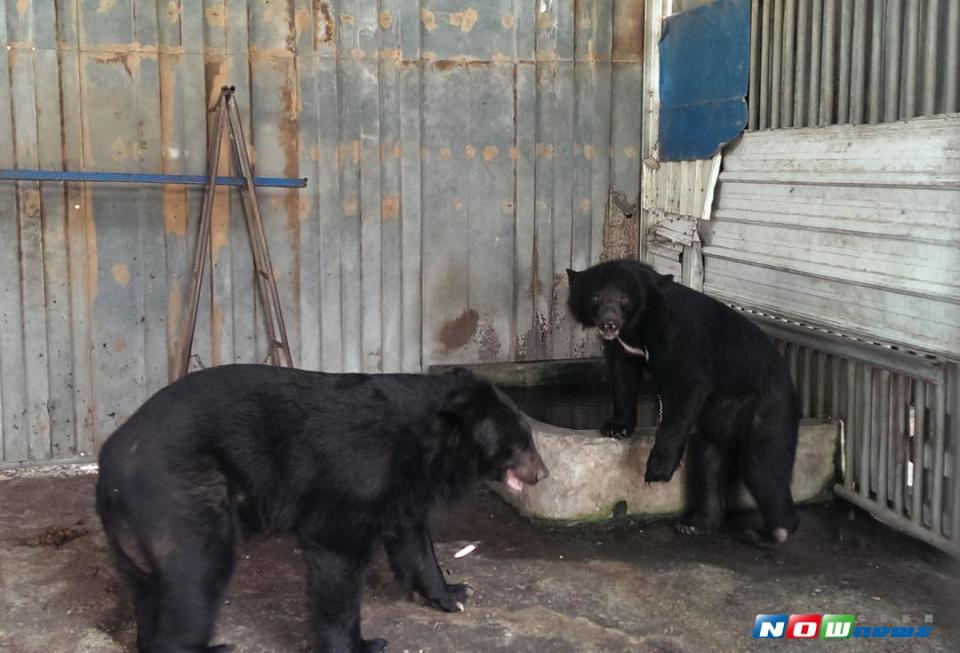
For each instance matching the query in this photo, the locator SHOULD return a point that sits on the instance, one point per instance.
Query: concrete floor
(632, 587)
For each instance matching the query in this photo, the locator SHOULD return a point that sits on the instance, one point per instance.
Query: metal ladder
(228, 118)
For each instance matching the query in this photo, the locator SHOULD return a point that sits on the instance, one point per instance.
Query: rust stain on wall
(385, 19)
(390, 206)
(621, 235)
(326, 30)
(428, 19)
(490, 344)
(628, 31)
(121, 274)
(175, 210)
(457, 332)
(464, 20)
(301, 20)
(216, 15)
(174, 197)
(130, 58)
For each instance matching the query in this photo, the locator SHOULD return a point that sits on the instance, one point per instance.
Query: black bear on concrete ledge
(343, 461)
(724, 388)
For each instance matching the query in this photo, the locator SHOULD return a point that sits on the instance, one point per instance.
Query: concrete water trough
(593, 477)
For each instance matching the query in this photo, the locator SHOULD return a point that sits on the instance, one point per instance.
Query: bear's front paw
(618, 428)
(374, 645)
(660, 468)
(453, 599)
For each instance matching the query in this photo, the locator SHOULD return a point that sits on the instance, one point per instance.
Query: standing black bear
(724, 387)
(343, 461)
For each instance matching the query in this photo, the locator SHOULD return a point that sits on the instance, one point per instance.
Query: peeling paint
(326, 26)
(428, 19)
(464, 20)
(489, 341)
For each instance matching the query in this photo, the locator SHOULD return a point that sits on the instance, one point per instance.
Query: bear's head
(493, 433)
(614, 295)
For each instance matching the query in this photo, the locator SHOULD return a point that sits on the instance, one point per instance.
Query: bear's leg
(706, 486)
(186, 596)
(410, 550)
(334, 583)
(624, 378)
(767, 470)
(145, 603)
(681, 411)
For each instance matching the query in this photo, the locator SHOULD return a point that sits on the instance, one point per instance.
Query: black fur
(343, 461)
(726, 391)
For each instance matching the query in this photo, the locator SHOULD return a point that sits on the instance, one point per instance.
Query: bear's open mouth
(512, 481)
(609, 333)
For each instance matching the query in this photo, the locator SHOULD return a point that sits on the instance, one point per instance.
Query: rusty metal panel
(835, 227)
(460, 157)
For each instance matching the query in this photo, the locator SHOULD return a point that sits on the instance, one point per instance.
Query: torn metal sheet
(704, 63)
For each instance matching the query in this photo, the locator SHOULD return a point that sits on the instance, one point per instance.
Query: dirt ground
(629, 587)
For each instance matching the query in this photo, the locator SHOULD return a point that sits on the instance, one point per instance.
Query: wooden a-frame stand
(228, 117)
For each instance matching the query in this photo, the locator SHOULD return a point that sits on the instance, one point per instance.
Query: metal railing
(900, 416)
(830, 62)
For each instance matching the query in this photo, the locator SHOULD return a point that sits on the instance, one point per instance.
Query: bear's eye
(624, 301)
(595, 299)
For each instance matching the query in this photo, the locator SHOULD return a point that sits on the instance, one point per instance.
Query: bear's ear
(465, 404)
(664, 280)
(459, 372)
(571, 275)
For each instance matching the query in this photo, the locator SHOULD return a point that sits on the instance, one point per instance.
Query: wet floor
(629, 587)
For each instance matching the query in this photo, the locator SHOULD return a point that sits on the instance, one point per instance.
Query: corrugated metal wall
(460, 158)
(855, 229)
(829, 62)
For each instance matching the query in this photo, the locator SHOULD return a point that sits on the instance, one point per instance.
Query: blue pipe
(136, 177)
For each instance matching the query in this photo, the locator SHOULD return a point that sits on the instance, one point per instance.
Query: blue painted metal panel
(704, 63)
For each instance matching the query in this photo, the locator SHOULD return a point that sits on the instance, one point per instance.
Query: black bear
(726, 392)
(345, 462)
